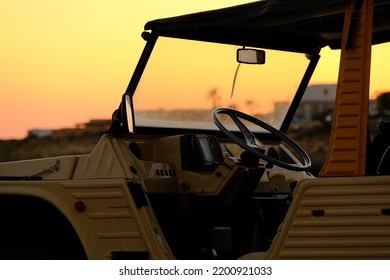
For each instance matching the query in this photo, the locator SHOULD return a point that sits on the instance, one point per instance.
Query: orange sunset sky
(65, 62)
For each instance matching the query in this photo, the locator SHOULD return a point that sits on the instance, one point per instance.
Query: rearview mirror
(250, 56)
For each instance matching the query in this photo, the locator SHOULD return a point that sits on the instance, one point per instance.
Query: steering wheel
(253, 145)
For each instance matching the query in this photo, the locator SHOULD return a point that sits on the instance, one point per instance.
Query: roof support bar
(347, 144)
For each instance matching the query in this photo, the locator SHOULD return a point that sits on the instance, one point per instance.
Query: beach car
(197, 163)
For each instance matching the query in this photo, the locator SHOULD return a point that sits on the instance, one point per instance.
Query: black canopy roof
(300, 26)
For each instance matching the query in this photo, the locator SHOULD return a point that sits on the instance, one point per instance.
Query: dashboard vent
(165, 172)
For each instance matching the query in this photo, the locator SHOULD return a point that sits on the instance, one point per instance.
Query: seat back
(380, 153)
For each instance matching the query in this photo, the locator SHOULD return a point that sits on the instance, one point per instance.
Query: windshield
(185, 80)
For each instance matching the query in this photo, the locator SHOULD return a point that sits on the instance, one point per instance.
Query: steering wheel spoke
(250, 139)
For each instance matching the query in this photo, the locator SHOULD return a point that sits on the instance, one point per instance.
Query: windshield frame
(151, 40)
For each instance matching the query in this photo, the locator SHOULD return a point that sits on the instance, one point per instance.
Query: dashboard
(206, 165)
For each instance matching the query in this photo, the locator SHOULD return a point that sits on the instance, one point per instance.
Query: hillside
(31, 147)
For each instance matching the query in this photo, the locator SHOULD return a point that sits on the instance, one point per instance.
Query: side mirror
(250, 56)
(127, 113)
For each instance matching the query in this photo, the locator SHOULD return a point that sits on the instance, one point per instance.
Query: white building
(317, 101)
(40, 133)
